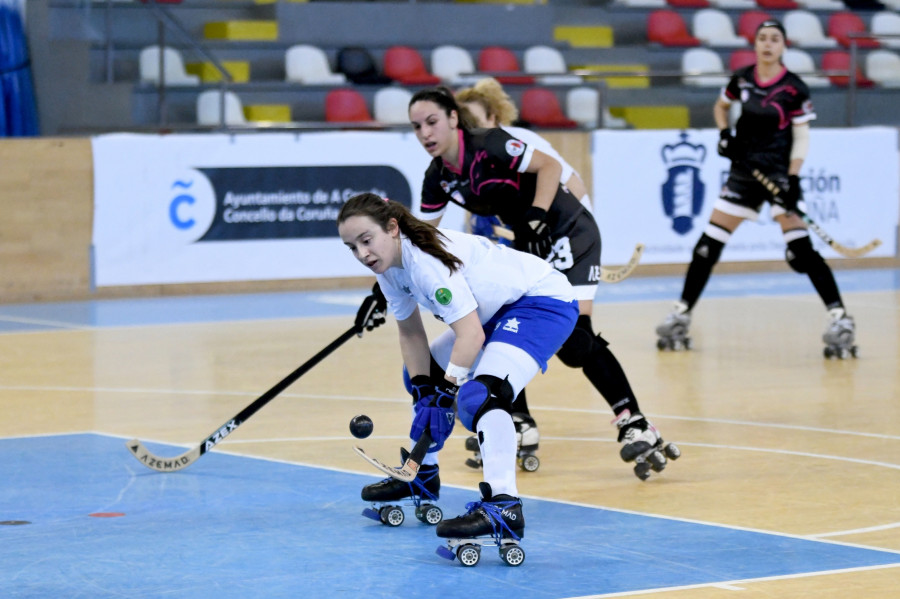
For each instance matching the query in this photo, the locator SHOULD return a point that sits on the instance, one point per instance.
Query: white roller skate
(495, 521)
(527, 438)
(673, 332)
(642, 444)
(384, 495)
(840, 335)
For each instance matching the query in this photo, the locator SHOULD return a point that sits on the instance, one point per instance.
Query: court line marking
(856, 531)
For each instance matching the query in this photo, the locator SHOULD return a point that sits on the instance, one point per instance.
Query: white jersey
(491, 277)
(537, 142)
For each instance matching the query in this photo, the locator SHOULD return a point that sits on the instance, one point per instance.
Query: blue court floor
(235, 527)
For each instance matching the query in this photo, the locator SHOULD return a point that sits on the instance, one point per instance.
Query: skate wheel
(445, 553)
(472, 444)
(642, 470)
(854, 351)
(530, 463)
(688, 344)
(370, 513)
(392, 515)
(828, 352)
(429, 514)
(476, 464)
(672, 452)
(661, 345)
(513, 555)
(468, 555)
(657, 461)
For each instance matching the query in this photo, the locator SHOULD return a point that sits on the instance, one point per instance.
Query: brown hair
(443, 97)
(490, 94)
(423, 235)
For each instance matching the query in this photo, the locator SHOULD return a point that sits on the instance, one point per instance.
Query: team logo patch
(514, 147)
(443, 296)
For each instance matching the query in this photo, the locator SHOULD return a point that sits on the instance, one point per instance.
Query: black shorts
(576, 254)
(744, 191)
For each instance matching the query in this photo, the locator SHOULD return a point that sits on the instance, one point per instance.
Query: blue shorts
(537, 325)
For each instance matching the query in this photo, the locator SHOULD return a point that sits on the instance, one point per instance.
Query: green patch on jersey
(443, 296)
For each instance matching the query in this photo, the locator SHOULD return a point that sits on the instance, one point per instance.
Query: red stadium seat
(838, 60)
(666, 27)
(346, 106)
(777, 4)
(842, 24)
(688, 3)
(740, 59)
(502, 60)
(406, 65)
(749, 21)
(540, 107)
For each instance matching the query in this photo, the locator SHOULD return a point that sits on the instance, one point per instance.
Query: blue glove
(433, 405)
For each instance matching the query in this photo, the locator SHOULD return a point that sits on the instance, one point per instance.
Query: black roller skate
(527, 438)
(491, 522)
(642, 444)
(673, 332)
(424, 489)
(840, 335)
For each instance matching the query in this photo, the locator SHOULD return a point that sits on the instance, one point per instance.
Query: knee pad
(481, 394)
(575, 349)
(801, 256)
(708, 249)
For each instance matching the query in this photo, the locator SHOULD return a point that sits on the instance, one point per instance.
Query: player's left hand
(533, 233)
(372, 312)
(793, 194)
(433, 410)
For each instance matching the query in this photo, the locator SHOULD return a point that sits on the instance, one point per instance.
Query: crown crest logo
(683, 152)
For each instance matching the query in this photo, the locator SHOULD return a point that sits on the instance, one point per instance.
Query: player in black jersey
(489, 172)
(772, 135)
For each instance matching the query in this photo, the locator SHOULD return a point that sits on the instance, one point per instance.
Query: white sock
(498, 451)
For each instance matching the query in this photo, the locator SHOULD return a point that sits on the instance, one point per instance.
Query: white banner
(205, 208)
(658, 188)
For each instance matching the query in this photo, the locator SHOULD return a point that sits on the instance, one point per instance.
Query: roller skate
(527, 437)
(385, 495)
(673, 332)
(491, 522)
(840, 335)
(642, 445)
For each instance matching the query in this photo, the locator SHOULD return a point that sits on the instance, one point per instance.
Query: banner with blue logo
(252, 207)
(658, 188)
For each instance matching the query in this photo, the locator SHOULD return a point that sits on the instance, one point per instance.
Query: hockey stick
(776, 190)
(184, 460)
(411, 462)
(607, 275)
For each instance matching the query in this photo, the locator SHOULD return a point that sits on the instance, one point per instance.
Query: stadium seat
(697, 62)
(688, 3)
(713, 27)
(740, 59)
(390, 105)
(839, 60)
(801, 62)
(448, 62)
(540, 107)
(666, 27)
(497, 60)
(346, 106)
(406, 65)
(209, 108)
(583, 107)
(358, 65)
(883, 67)
(174, 71)
(887, 23)
(822, 5)
(543, 60)
(749, 21)
(805, 30)
(841, 25)
(734, 4)
(308, 64)
(777, 4)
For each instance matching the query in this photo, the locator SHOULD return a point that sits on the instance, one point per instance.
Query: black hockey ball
(361, 426)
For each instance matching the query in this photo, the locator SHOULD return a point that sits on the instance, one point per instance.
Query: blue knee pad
(481, 394)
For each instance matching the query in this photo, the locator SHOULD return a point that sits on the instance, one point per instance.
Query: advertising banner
(658, 188)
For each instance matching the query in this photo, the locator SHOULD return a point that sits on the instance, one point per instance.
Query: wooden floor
(774, 437)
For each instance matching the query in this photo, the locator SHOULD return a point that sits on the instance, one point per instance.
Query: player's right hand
(372, 312)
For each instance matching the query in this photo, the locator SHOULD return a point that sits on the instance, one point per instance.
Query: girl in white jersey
(508, 313)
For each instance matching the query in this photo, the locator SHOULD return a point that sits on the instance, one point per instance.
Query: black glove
(793, 194)
(372, 312)
(727, 145)
(533, 233)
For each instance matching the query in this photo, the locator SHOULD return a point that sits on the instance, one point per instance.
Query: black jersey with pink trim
(490, 180)
(768, 109)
